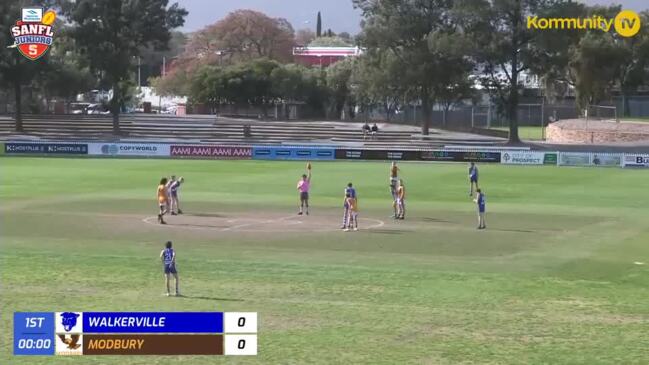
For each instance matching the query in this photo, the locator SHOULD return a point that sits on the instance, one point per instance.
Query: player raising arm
(303, 189)
(168, 258)
(162, 199)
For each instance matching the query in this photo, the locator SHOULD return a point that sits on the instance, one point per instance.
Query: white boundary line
(150, 221)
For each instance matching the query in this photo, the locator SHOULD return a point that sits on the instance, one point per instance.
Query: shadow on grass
(387, 231)
(429, 219)
(210, 298)
(511, 230)
(190, 225)
(209, 215)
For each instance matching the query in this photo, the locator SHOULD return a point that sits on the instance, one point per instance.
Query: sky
(339, 15)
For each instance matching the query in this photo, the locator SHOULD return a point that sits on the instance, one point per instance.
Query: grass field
(551, 281)
(526, 132)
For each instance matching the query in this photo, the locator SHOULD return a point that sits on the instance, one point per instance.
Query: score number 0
(240, 330)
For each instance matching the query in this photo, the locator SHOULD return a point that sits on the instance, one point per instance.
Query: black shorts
(170, 269)
(304, 195)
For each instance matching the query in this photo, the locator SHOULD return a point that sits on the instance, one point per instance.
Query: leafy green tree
(15, 70)
(329, 42)
(338, 77)
(596, 64)
(403, 28)
(634, 71)
(376, 81)
(112, 33)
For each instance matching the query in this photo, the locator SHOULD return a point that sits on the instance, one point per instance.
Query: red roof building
(323, 56)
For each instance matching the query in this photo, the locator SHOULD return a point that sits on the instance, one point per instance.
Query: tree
(242, 36)
(112, 33)
(503, 47)
(329, 42)
(403, 29)
(318, 27)
(346, 37)
(338, 78)
(375, 80)
(596, 63)
(15, 70)
(634, 71)
(151, 59)
(248, 83)
(304, 36)
(296, 83)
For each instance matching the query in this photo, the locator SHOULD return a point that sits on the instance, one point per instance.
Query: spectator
(366, 130)
(375, 130)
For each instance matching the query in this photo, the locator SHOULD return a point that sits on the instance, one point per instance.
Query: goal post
(602, 112)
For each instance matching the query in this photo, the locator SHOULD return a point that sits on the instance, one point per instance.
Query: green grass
(526, 133)
(552, 280)
(635, 119)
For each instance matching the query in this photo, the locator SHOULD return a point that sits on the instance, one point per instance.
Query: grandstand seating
(208, 129)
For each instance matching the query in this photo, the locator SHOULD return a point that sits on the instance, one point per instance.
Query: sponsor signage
(211, 152)
(46, 148)
(522, 158)
(607, 159)
(292, 153)
(528, 158)
(460, 156)
(128, 149)
(377, 155)
(550, 158)
(574, 159)
(634, 160)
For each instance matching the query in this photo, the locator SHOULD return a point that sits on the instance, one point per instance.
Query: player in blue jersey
(349, 192)
(168, 258)
(473, 178)
(480, 201)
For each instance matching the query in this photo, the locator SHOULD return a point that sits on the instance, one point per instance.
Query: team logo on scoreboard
(33, 34)
(69, 322)
(69, 344)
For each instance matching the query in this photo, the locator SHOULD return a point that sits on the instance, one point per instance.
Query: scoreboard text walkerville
(135, 333)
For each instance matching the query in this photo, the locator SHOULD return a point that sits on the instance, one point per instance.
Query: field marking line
(255, 223)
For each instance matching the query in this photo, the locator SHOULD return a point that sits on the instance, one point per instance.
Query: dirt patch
(596, 131)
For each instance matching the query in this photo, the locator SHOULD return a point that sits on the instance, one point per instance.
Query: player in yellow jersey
(394, 180)
(352, 211)
(401, 200)
(162, 199)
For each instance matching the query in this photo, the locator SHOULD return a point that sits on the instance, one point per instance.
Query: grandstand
(207, 129)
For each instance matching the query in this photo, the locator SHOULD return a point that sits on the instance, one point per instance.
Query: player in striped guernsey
(394, 180)
(349, 191)
(173, 186)
(168, 258)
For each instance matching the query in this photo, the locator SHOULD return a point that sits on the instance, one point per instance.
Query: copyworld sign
(128, 149)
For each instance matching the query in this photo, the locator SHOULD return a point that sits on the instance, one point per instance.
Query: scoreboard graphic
(135, 333)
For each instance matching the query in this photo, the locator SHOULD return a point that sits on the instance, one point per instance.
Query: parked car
(97, 109)
(79, 108)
